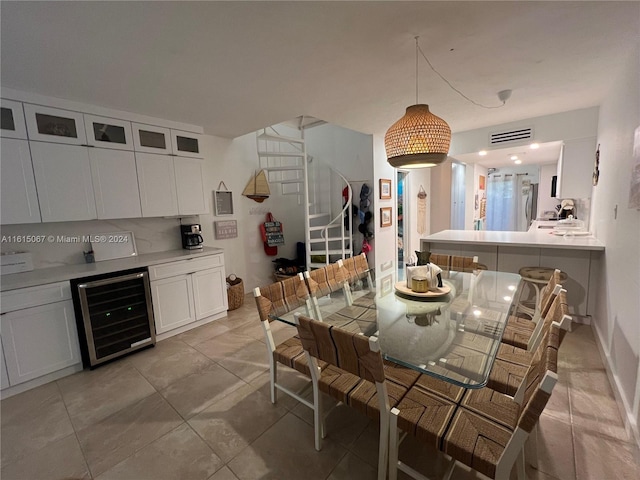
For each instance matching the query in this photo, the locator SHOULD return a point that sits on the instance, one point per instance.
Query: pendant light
(420, 138)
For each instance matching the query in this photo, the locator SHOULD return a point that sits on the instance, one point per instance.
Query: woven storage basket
(235, 292)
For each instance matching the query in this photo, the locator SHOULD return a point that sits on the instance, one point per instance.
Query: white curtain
(502, 202)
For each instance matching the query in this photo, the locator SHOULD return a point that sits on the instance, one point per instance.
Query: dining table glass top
(454, 336)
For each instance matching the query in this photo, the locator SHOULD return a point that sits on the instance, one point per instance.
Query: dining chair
(322, 282)
(512, 362)
(534, 278)
(379, 386)
(277, 299)
(358, 272)
(521, 332)
(488, 430)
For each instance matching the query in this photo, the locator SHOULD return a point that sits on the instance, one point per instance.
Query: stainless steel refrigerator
(527, 207)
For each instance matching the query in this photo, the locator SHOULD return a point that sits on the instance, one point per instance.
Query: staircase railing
(347, 208)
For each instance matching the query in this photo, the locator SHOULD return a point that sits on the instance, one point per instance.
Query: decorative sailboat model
(258, 187)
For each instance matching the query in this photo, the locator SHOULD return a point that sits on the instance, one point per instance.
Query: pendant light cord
(418, 49)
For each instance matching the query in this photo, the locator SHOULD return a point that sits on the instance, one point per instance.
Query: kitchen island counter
(578, 256)
(537, 238)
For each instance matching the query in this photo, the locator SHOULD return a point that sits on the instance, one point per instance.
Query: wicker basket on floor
(235, 292)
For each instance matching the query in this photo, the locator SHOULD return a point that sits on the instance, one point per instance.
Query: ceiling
(235, 67)
(545, 153)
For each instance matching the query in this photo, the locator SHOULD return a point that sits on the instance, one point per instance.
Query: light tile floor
(197, 407)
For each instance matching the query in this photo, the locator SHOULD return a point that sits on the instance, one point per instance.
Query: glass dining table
(453, 336)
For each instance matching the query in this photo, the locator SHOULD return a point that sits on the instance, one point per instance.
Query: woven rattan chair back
(463, 264)
(281, 297)
(443, 261)
(349, 351)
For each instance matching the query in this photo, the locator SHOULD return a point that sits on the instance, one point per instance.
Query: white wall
(385, 244)
(440, 206)
(549, 128)
(234, 162)
(617, 321)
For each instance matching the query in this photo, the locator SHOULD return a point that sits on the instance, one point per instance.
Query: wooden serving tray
(402, 288)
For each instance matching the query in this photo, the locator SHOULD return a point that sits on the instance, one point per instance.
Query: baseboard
(626, 412)
(36, 382)
(185, 328)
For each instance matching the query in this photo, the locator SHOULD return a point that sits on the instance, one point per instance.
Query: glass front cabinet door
(186, 144)
(108, 132)
(12, 120)
(46, 124)
(151, 139)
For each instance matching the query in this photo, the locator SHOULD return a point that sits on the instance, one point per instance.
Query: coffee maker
(191, 238)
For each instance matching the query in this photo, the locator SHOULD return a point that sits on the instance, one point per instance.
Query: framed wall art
(385, 189)
(385, 217)
(223, 201)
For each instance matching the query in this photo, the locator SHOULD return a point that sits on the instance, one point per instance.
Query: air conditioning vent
(511, 136)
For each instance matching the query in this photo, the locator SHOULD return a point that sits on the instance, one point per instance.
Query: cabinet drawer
(181, 267)
(34, 296)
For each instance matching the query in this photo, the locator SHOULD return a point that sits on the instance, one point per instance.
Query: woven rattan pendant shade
(419, 139)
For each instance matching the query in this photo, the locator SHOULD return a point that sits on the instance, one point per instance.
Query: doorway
(402, 223)
(458, 172)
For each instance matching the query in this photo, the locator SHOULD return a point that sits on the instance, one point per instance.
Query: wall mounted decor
(634, 188)
(385, 217)
(223, 200)
(385, 189)
(226, 229)
(596, 168)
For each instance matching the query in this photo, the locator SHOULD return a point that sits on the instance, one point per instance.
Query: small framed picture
(385, 217)
(385, 189)
(223, 201)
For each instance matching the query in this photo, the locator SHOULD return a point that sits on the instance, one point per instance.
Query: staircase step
(280, 138)
(283, 169)
(317, 265)
(291, 180)
(347, 251)
(281, 154)
(292, 193)
(331, 239)
(322, 227)
(318, 215)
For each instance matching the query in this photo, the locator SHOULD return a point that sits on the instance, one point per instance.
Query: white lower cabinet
(4, 376)
(186, 291)
(39, 339)
(172, 302)
(209, 292)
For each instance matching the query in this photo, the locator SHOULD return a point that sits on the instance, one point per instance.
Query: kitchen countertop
(538, 238)
(43, 276)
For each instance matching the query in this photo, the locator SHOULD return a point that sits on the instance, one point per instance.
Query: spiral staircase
(286, 163)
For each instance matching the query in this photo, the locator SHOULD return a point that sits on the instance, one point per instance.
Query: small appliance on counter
(567, 209)
(191, 238)
(570, 226)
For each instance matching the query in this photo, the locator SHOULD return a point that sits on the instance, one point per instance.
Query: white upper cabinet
(151, 139)
(115, 183)
(18, 186)
(63, 180)
(575, 168)
(48, 124)
(190, 187)
(157, 182)
(186, 144)
(108, 132)
(12, 120)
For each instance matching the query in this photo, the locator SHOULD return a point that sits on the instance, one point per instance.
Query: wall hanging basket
(235, 292)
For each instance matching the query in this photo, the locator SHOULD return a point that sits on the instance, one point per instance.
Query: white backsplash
(151, 235)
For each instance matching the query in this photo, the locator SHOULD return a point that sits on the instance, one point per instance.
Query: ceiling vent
(511, 136)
